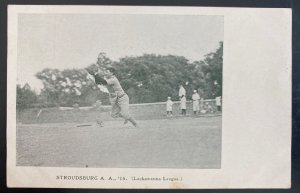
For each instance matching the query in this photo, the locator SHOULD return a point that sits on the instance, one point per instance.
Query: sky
(65, 41)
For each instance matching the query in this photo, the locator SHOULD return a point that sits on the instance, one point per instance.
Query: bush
(25, 97)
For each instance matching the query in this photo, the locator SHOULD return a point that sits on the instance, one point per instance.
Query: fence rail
(87, 114)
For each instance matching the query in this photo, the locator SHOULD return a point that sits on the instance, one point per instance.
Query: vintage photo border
(20, 172)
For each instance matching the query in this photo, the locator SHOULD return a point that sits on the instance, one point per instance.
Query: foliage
(25, 97)
(67, 87)
(213, 72)
(152, 78)
(146, 78)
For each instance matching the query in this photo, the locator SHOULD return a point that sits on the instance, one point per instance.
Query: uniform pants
(196, 105)
(120, 106)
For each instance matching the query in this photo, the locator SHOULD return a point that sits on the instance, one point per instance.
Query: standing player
(169, 107)
(218, 103)
(118, 98)
(182, 97)
(196, 99)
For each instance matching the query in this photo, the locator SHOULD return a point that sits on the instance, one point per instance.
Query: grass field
(178, 142)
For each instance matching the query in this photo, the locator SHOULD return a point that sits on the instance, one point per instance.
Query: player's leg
(123, 103)
(197, 109)
(115, 108)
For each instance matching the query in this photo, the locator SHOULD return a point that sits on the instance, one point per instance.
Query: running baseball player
(118, 98)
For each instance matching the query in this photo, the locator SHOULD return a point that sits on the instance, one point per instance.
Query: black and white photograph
(119, 91)
(148, 97)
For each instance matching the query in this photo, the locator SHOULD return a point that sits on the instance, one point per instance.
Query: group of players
(107, 81)
(198, 105)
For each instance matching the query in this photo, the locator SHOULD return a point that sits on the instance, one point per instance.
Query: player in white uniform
(169, 107)
(196, 99)
(182, 96)
(218, 103)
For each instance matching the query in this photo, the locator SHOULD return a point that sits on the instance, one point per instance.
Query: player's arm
(90, 77)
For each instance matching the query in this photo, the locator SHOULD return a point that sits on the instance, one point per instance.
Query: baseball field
(168, 142)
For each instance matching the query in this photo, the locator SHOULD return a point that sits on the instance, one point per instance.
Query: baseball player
(218, 103)
(182, 96)
(118, 98)
(196, 99)
(169, 107)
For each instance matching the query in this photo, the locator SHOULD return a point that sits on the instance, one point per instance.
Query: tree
(26, 97)
(211, 68)
(152, 78)
(146, 78)
(68, 87)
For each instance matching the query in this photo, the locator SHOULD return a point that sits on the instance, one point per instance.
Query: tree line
(146, 78)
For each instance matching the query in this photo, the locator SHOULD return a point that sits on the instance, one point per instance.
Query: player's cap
(169, 97)
(195, 91)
